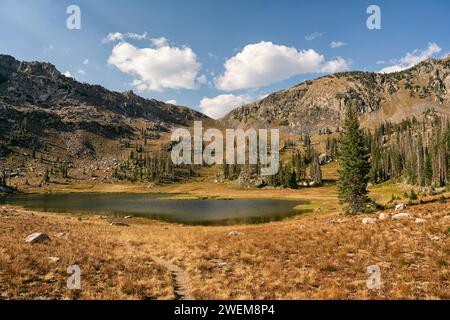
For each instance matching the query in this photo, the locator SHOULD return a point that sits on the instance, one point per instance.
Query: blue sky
(214, 55)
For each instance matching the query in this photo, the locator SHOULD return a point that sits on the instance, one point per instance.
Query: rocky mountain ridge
(317, 105)
(42, 86)
(37, 102)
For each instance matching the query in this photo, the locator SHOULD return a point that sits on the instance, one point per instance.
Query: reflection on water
(196, 212)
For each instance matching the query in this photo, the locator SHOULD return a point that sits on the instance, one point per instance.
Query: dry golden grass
(319, 256)
(110, 266)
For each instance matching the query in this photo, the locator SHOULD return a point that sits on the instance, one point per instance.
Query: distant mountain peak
(317, 105)
(56, 108)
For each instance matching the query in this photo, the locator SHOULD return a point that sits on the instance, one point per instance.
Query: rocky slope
(314, 106)
(50, 124)
(38, 102)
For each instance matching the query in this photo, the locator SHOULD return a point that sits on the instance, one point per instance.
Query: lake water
(195, 212)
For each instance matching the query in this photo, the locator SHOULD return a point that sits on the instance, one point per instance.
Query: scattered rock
(421, 221)
(128, 217)
(249, 180)
(119, 224)
(435, 238)
(325, 159)
(369, 220)
(54, 259)
(219, 263)
(383, 216)
(234, 233)
(37, 237)
(60, 235)
(401, 216)
(401, 206)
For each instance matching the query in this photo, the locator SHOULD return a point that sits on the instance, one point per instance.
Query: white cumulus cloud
(159, 42)
(157, 68)
(266, 63)
(171, 101)
(220, 105)
(332, 66)
(413, 58)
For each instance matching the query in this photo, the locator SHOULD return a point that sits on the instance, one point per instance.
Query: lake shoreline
(200, 190)
(179, 209)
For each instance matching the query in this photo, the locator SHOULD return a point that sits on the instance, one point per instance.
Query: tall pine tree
(354, 166)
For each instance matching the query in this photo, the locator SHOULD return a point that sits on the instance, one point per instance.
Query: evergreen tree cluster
(419, 151)
(157, 168)
(303, 168)
(332, 146)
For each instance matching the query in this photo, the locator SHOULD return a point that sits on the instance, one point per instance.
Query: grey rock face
(318, 105)
(37, 238)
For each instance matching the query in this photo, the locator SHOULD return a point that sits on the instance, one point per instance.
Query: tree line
(416, 150)
(413, 150)
(154, 167)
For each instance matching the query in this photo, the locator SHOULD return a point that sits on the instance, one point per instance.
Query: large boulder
(421, 221)
(369, 221)
(119, 224)
(401, 206)
(401, 216)
(383, 216)
(37, 238)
